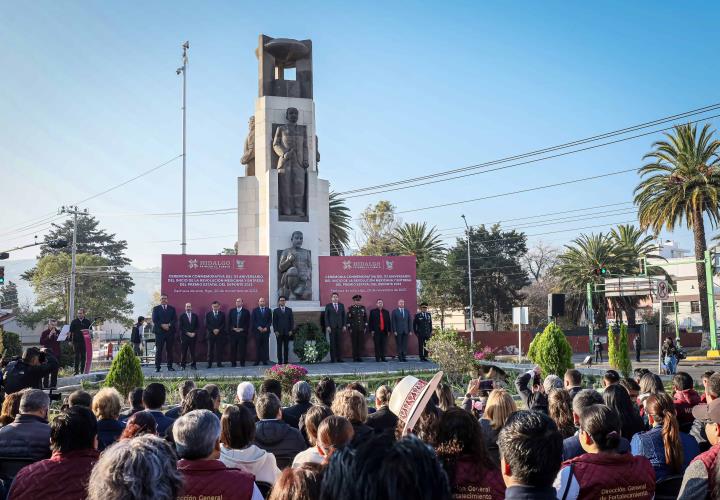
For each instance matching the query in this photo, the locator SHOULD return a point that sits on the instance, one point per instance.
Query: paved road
(650, 361)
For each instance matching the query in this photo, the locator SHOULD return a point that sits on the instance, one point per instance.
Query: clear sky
(89, 98)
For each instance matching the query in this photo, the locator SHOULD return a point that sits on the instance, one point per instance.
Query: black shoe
(193, 366)
(378, 360)
(234, 365)
(157, 369)
(266, 363)
(209, 365)
(242, 363)
(384, 360)
(219, 365)
(182, 367)
(256, 363)
(340, 361)
(171, 369)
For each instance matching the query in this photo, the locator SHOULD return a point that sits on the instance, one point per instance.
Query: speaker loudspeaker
(556, 305)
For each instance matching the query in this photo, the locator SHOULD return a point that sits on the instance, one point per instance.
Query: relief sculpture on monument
(248, 157)
(295, 266)
(290, 145)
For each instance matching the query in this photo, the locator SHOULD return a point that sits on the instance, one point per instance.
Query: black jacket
(243, 322)
(28, 436)
(382, 420)
(363, 433)
(108, 431)
(573, 391)
(213, 322)
(136, 336)
(161, 316)
(283, 322)
(374, 321)
(278, 438)
(334, 319)
(76, 327)
(292, 414)
(533, 400)
(261, 320)
(19, 375)
(192, 325)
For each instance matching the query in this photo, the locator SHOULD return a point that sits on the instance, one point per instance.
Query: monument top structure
(275, 55)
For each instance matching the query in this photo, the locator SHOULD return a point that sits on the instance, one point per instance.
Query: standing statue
(248, 157)
(290, 144)
(295, 268)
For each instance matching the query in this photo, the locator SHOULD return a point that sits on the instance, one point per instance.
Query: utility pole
(183, 69)
(72, 210)
(472, 320)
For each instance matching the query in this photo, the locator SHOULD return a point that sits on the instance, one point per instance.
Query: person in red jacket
(197, 441)
(64, 476)
(685, 398)
(602, 472)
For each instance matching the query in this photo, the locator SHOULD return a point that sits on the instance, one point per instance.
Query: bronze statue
(290, 144)
(295, 268)
(248, 157)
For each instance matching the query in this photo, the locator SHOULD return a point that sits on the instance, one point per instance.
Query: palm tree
(415, 239)
(683, 183)
(339, 225)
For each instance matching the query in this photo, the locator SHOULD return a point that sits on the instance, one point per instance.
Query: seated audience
(668, 449)
(705, 379)
(197, 441)
(383, 420)
(325, 391)
(384, 469)
(617, 399)
(632, 388)
(183, 389)
(530, 455)
(560, 410)
(334, 433)
(313, 417)
(500, 405)
(80, 398)
(470, 470)
(649, 384)
(73, 437)
(602, 470)
(138, 424)
(106, 407)
(446, 398)
(358, 386)
(274, 435)
(573, 382)
(197, 399)
(28, 436)
(638, 373)
(611, 377)
(273, 386)
(237, 448)
(571, 445)
(245, 395)
(351, 404)
(10, 408)
(531, 390)
(301, 394)
(700, 474)
(135, 402)
(552, 382)
(298, 483)
(153, 400)
(214, 392)
(685, 397)
(135, 469)
(697, 431)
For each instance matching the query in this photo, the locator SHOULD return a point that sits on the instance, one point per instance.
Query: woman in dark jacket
(106, 407)
(618, 400)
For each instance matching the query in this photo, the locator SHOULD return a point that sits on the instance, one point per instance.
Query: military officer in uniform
(357, 323)
(422, 325)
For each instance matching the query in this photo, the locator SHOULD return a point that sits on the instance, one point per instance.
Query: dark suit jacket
(374, 321)
(292, 414)
(421, 326)
(136, 335)
(283, 323)
(334, 319)
(401, 324)
(244, 322)
(261, 320)
(192, 325)
(382, 420)
(162, 316)
(212, 322)
(76, 328)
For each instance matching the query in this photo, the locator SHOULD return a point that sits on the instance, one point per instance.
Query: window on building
(695, 306)
(668, 308)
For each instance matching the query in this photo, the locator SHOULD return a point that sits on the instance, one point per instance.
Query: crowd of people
(628, 440)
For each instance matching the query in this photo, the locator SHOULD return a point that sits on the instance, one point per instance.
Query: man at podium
(78, 339)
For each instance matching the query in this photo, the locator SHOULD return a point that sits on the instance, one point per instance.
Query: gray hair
(301, 392)
(552, 382)
(267, 406)
(141, 467)
(585, 398)
(196, 433)
(245, 391)
(382, 395)
(34, 400)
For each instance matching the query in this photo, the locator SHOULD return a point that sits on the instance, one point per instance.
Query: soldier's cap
(424, 304)
(357, 297)
(708, 413)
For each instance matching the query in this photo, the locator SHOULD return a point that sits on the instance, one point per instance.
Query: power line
(434, 176)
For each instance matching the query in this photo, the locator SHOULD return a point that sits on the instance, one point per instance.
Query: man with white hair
(301, 394)
(245, 396)
(29, 435)
(197, 441)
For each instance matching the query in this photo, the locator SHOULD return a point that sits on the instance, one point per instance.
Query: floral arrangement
(288, 375)
(486, 354)
(309, 344)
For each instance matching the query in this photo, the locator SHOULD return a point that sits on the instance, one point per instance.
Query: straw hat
(409, 398)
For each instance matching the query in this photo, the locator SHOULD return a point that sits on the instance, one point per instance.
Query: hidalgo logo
(389, 265)
(347, 264)
(192, 263)
(240, 264)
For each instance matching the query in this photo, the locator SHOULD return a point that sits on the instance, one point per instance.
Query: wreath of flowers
(309, 344)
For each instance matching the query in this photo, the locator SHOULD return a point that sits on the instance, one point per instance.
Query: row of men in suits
(380, 323)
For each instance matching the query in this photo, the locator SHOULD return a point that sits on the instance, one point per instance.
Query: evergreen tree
(125, 372)
(623, 355)
(551, 351)
(612, 348)
(9, 298)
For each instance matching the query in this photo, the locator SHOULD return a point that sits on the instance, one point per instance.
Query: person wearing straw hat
(410, 397)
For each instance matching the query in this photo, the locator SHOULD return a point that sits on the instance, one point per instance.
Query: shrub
(453, 354)
(551, 351)
(288, 375)
(67, 354)
(10, 344)
(624, 365)
(612, 348)
(125, 372)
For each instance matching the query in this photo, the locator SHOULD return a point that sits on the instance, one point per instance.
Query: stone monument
(283, 207)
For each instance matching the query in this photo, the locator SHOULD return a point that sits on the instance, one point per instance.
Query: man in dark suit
(379, 325)
(261, 323)
(238, 328)
(189, 328)
(334, 326)
(402, 328)
(422, 326)
(215, 328)
(164, 318)
(383, 420)
(78, 339)
(283, 324)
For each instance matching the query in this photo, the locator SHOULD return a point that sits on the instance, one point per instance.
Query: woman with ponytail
(602, 472)
(668, 449)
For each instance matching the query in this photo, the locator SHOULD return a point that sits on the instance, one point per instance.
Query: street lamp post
(470, 294)
(183, 69)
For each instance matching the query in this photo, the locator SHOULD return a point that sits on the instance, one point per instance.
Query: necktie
(239, 311)
(164, 308)
(382, 321)
(262, 310)
(282, 309)
(215, 312)
(335, 307)
(402, 313)
(189, 317)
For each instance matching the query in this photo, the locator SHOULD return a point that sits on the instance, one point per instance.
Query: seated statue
(295, 268)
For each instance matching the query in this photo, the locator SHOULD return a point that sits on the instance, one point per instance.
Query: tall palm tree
(415, 239)
(339, 225)
(682, 183)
